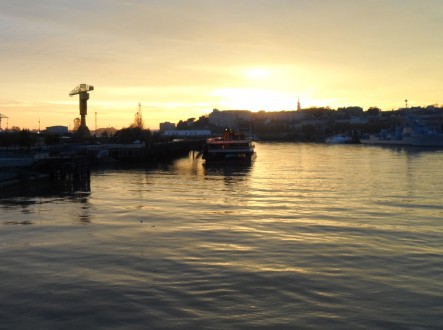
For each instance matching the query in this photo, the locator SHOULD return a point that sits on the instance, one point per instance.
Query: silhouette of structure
(138, 119)
(82, 90)
(2, 116)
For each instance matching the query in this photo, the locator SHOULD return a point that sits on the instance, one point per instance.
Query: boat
(230, 148)
(339, 139)
(417, 129)
(407, 136)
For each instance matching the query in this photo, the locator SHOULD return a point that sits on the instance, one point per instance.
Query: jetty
(73, 162)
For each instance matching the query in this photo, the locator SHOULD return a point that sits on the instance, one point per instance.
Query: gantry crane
(2, 116)
(82, 90)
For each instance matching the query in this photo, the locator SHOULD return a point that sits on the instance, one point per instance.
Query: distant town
(308, 125)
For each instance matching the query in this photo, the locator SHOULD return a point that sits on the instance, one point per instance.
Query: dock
(73, 162)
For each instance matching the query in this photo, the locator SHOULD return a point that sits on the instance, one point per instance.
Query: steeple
(298, 105)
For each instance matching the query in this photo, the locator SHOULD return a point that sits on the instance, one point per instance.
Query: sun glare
(257, 73)
(255, 99)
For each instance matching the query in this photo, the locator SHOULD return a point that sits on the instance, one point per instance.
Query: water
(309, 236)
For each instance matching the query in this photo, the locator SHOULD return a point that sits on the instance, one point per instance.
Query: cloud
(176, 51)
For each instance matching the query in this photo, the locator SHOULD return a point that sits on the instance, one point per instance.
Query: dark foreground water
(308, 237)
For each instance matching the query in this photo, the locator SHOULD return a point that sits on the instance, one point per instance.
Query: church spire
(298, 105)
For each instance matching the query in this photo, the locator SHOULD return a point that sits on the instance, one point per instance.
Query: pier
(154, 152)
(72, 163)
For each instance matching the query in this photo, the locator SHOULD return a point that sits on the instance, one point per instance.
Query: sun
(255, 99)
(256, 73)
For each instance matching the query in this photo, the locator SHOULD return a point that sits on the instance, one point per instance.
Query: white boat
(339, 139)
(406, 137)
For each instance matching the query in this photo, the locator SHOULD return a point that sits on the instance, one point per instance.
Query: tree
(131, 134)
(138, 119)
(373, 111)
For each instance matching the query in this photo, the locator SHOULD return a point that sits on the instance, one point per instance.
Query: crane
(2, 116)
(82, 90)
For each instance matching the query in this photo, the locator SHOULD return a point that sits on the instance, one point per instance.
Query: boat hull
(339, 139)
(378, 141)
(229, 157)
(227, 150)
(415, 141)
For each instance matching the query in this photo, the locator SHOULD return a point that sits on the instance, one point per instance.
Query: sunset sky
(183, 58)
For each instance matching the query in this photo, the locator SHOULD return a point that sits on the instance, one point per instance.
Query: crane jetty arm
(82, 88)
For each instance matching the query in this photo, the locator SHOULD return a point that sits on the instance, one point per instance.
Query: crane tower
(82, 90)
(1, 116)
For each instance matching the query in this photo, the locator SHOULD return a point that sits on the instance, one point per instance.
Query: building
(233, 119)
(57, 130)
(283, 116)
(167, 126)
(190, 134)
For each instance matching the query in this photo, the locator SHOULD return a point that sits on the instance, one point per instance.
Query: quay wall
(12, 168)
(154, 152)
(74, 161)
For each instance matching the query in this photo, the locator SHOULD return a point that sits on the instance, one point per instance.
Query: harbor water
(310, 236)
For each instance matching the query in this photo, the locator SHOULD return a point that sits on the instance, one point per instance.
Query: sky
(181, 59)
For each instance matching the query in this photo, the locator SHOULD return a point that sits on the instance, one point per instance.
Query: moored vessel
(406, 137)
(339, 139)
(230, 148)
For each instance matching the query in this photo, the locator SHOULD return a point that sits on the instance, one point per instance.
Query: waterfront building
(57, 130)
(198, 133)
(167, 126)
(233, 119)
(282, 116)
